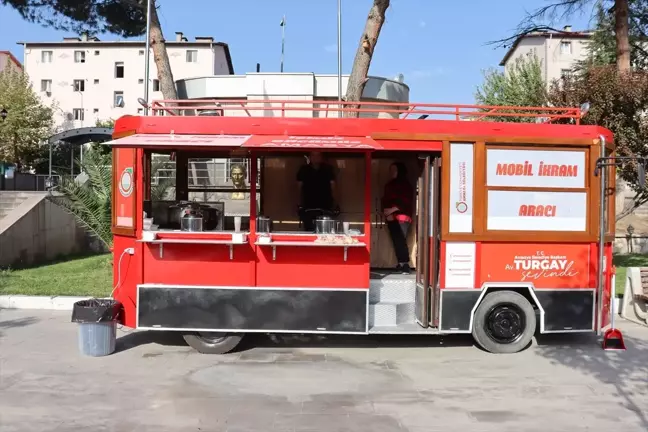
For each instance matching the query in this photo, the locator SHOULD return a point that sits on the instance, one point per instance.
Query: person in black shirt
(316, 182)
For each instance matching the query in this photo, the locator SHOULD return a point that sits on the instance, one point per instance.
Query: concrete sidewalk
(156, 383)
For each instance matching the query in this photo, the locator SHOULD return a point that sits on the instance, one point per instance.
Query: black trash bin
(97, 319)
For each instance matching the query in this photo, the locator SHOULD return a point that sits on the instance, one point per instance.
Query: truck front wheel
(504, 322)
(213, 343)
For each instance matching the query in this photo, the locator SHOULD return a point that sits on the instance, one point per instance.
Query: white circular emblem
(126, 182)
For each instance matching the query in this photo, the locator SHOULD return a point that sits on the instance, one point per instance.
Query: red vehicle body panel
(253, 265)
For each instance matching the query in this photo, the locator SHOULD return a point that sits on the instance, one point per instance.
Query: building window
(118, 99)
(192, 56)
(79, 85)
(46, 57)
(96, 81)
(141, 52)
(119, 70)
(140, 81)
(79, 56)
(96, 110)
(156, 85)
(565, 48)
(96, 52)
(78, 114)
(46, 86)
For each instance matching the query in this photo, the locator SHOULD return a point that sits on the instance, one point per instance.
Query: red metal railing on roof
(334, 109)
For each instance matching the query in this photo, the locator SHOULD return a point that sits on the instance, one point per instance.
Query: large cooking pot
(192, 220)
(210, 215)
(325, 225)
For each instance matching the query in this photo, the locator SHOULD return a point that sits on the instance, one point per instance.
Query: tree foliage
(90, 201)
(521, 85)
(618, 102)
(126, 18)
(28, 123)
(103, 149)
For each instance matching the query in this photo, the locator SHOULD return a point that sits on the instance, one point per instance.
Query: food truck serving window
(218, 182)
(531, 189)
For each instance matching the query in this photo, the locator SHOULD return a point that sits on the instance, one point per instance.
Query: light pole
(339, 48)
(283, 41)
(147, 55)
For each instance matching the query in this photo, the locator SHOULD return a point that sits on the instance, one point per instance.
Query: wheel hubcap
(505, 323)
(212, 337)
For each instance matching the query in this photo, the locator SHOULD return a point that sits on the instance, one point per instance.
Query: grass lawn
(622, 262)
(89, 276)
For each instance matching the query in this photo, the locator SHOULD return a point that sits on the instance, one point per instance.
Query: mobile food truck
(505, 239)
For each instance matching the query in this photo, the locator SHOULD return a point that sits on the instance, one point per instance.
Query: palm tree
(89, 199)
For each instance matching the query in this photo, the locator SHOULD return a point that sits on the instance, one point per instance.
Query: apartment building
(87, 79)
(8, 60)
(558, 51)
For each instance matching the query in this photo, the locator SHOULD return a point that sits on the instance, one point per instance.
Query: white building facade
(558, 52)
(87, 80)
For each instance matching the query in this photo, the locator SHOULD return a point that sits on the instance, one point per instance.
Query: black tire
(213, 343)
(504, 323)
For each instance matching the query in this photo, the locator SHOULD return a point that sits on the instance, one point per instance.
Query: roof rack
(335, 109)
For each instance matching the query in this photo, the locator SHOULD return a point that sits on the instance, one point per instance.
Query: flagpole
(147, 55)
(283, 41)
(339, 48)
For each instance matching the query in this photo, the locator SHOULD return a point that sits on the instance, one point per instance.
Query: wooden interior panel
(281, 195)
(281, 198)
(382, 250)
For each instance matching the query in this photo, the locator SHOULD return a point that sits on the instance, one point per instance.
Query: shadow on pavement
(627, 370)
(282, 342)
(134, 339)
(290, 341)
(15, 323)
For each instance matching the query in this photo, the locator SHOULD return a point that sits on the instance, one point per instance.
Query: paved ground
(156, 383)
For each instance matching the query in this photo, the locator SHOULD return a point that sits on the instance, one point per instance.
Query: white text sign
(535, 168)
(537, 211)
(461, 188)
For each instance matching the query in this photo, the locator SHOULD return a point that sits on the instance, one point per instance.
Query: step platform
(392, 304)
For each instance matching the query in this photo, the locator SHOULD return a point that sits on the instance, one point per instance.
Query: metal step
(389, 314)
(392, 288)
(404, 329)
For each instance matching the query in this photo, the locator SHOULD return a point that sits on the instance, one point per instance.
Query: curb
(62, 303)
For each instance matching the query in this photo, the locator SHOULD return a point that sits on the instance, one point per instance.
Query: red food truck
(212, 237)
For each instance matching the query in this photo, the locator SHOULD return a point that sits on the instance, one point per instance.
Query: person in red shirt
(397, 204)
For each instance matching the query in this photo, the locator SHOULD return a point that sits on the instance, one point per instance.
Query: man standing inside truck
(317, 190)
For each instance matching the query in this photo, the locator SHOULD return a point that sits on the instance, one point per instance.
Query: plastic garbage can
(97, 330)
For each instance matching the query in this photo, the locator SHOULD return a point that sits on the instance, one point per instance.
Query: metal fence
(27, 182)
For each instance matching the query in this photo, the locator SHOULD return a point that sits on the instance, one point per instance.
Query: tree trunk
(621, 30)
(362, 61)
(161, 58)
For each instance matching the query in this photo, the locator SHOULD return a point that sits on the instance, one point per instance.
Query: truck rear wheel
(504, 322)
(213, 343)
